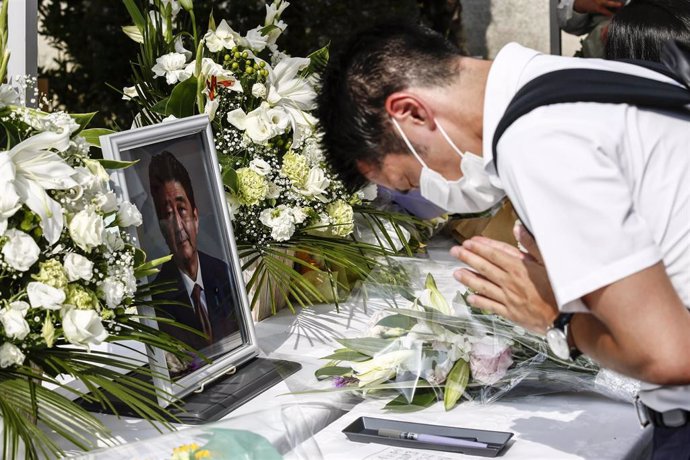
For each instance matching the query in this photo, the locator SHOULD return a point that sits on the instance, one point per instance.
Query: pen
(431, 439)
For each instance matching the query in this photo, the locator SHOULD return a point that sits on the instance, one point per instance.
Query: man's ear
(407, 107)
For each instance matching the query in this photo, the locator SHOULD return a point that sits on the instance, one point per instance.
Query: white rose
(10, 355)
(20, 306)
(317, 184)
(14, 323)
(78, 267)
(128, 215)
(44, 296)
(112, 291)
(274, 190)
(86, 229)
(107, 201)
(20, 251)
(259, 90)
(83, 327)
(260, 166)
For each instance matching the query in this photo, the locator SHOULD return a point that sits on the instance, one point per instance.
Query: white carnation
(43, 296)
(14, 323)
(260, 166)
(83, 327)
(128, 215)
(112, 291)
(281, 222)
(86, 229)
(78, 267)
(20, 251)
(10, 355)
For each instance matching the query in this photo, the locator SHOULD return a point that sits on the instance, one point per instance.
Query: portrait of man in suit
(201, 282)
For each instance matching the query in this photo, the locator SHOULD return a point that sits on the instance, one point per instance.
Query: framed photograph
(176, 185)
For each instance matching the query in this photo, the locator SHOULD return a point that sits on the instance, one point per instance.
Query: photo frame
(176, 185)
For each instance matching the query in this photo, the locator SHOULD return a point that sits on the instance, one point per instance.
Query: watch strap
(562, 322)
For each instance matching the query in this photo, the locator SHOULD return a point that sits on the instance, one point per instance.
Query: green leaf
(422, 398)
(332, 371)
(230, 180)
(397, 321)
(82, 119)
(160, 106)
(135, 13)
(92, 136)
(139, 257)
(347, 355)
(456, 382)
(318, 60)
(115, 164)
(366, 345)
(182, 99)
(268, 29)
(211, 22)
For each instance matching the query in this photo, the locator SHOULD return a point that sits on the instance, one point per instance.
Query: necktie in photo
(201, 313)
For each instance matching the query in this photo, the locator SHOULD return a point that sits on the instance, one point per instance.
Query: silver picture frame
(189, 140)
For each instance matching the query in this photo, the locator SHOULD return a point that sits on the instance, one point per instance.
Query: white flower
(173, 66)
(368, 192)
(316, 185)
(86, 229)
(260, 166)
(14, 323)
(312, 151)
(128, 215)
(179, 48)
(381, 367)
(211, 108)
(113, 292)
(280, 220)
(293, 93)
(107, 202)
(134, 33)
(78, 267)
(274, 11)
(254, 40)
(169, 118)
(10, 355)
(20, 251)
(274, 190)
(113, 241)
(490, 359)
(8, 95)
(222, 38)
(43, 296)
(298, 215)
(129, 92)
(20, 306)
(48, 331)
(83, 327)
(262, 123)
(28, 170)
(259, 90)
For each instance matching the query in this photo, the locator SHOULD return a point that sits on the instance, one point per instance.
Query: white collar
(189, 282)
(505, 78)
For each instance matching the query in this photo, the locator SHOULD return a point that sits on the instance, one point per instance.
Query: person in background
(603, 187)
(640, 29)
(588, 17)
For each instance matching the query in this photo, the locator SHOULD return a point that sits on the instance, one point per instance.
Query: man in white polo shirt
(603, 188)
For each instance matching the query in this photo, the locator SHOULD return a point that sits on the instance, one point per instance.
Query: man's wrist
(570, 336)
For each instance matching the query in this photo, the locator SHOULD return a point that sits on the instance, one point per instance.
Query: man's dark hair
(164, 168)
(372, 65)
(640, 29)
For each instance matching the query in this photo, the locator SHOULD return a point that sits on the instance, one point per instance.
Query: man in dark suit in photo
(202, 281)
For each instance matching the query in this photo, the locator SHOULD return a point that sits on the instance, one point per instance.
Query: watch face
(558, 343)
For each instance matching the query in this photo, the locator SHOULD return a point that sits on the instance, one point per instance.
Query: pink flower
(490, 358)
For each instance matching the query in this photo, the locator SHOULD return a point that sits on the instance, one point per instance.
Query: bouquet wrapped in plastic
(423, 348)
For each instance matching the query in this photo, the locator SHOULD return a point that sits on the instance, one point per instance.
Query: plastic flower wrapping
(291, 213)
(420, 348)
(68, 278)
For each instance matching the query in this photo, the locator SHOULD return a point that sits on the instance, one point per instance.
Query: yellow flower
(252, 187)
(199, 454)
(81, 297)
(341, 217)
(296, 168)
(52, 273)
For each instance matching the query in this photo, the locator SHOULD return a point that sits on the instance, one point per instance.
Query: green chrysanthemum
(296, 168)
(252, 187)
(52, 273)
(81, 297)
(341, 216)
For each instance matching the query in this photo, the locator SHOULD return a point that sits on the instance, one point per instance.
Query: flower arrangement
(290, 212)
(68, 279)
(433, 349)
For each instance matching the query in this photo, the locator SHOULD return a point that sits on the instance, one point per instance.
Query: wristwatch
(557, 338)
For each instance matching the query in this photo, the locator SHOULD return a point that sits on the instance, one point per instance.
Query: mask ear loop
(447, 138)
(407, 141)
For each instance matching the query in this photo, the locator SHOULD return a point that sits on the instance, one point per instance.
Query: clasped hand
(507, 281)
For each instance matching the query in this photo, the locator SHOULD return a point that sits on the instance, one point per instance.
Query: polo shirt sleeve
(566, 185)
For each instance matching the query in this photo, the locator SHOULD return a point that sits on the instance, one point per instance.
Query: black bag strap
(591, 85)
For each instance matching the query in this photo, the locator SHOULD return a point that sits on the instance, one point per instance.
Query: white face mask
(472, 193)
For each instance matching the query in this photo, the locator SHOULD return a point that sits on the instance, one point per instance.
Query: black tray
(365, 429)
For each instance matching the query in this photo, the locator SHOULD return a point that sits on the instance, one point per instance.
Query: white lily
(173, 66)
(209, 68)
(382, 367)
(255, 39)
(224, 37)
(28, 170)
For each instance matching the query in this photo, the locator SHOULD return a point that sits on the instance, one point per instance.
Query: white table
(558, 426)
